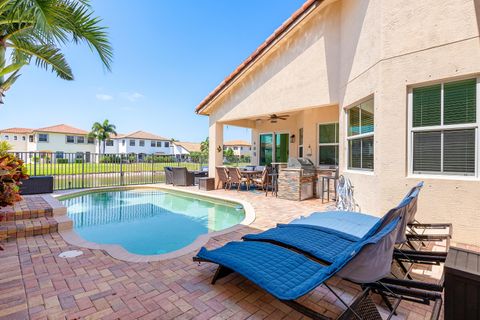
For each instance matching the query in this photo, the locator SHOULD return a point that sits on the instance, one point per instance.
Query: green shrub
(62, 160)
(78, 160)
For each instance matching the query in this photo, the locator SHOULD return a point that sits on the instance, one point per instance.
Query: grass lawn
(79, 168)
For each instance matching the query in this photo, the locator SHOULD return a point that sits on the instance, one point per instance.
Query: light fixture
(309, 151)
(292, 138)
(219, 149)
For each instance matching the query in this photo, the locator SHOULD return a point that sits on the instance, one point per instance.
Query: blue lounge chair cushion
(287, 274)
(322, 243)
(284, 273)
(353, 223)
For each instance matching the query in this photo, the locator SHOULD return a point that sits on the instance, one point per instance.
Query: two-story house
(58, 139)
(140, 142)
(241, 148)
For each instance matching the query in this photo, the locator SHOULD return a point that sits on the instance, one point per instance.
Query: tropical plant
(12, 171)
(37, 29)
(102, 132)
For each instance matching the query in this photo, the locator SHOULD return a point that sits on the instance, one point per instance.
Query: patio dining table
(249, 174)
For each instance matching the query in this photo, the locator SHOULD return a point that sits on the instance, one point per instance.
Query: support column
(215, 140)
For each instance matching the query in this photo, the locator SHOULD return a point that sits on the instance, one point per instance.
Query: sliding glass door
(266, 149)
(281, 147)
(274, 147)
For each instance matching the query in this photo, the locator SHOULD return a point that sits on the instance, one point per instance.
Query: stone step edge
(19, 229)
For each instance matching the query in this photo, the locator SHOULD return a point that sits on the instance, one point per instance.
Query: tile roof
(189, 146)
(237, 143)
(16, 130)
(261, 49)
(62, 128)
(140, 135)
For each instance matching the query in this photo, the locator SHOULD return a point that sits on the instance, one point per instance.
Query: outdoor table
(249, 175)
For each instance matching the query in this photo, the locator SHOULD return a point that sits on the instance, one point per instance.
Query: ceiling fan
(273, 118)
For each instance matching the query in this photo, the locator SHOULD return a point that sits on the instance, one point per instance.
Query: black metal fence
(89, 170)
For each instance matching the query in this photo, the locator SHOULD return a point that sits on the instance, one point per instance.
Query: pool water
(148, 222)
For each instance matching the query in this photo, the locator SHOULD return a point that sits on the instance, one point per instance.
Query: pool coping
(120, 253)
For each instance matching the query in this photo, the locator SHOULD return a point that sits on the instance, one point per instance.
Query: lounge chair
(288, 275)
(182, 177)
(323, 237)
(358, 224)
(222, 176)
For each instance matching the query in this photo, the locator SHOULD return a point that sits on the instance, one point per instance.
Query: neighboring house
(182, 150)
(60, 138)
(241, 148)
(140, 142)
(389, 92)
(17, 137)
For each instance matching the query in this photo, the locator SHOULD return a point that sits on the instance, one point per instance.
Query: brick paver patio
(36, 284)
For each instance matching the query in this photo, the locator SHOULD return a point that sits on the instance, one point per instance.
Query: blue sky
(169, 55)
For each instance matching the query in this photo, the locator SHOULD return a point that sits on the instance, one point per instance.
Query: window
(167, 144)
(132, 143)
(70, 139)
(30, 138)
(360, 136)
(123, 142)
(159, 144)
(90, 140)
(42, 137)
(444, 128)
(152, 143)
(109, 143)
(59, 155)
(300, 143)
(15, 138)
(24, 138)
(80, 139)
(142, 143)
(5, 137)
(328, 144)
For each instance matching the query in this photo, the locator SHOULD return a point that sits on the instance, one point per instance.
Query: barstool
(326, 179)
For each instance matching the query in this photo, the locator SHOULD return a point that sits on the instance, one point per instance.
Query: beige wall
(57, 142)
(18, 145)
(353, 49)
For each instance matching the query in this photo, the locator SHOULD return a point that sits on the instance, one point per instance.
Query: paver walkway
(36, 284)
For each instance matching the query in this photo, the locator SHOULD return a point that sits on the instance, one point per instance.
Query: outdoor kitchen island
(296, 181)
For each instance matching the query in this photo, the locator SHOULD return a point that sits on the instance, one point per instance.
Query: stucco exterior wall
(57, 142)
(350, 50)
(18, 145)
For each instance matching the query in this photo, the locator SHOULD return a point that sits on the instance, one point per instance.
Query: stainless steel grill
(302, 163)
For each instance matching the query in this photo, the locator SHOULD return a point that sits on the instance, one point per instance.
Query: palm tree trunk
(104, 146)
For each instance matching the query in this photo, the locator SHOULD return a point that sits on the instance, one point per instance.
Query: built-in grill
(302, 163)
(297, 180)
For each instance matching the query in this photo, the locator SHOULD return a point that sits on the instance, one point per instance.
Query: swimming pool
(148, 222)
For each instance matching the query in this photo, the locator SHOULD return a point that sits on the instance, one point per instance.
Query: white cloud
(132, 96)
(104, 97)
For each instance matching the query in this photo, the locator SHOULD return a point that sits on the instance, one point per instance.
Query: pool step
(33, 216)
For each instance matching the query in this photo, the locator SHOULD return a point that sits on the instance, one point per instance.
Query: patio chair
(223, 177)
(308, 234)
(182, 177)
(289, 275)
(236, 178)
(262, 180)
(326, 184)
(168, 175)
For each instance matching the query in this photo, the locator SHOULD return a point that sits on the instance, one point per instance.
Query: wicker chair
(223, 177)
(236, 177)
(262, 180)
(168, 175)
(182, 177)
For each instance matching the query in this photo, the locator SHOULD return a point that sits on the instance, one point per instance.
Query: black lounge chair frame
(363, 307)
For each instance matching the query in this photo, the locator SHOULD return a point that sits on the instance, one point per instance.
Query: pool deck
(36, 284)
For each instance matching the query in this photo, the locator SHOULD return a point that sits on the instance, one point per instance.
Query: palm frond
(46, 56)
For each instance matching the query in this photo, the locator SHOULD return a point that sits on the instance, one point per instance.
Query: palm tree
(37, 29)
(102, 132)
